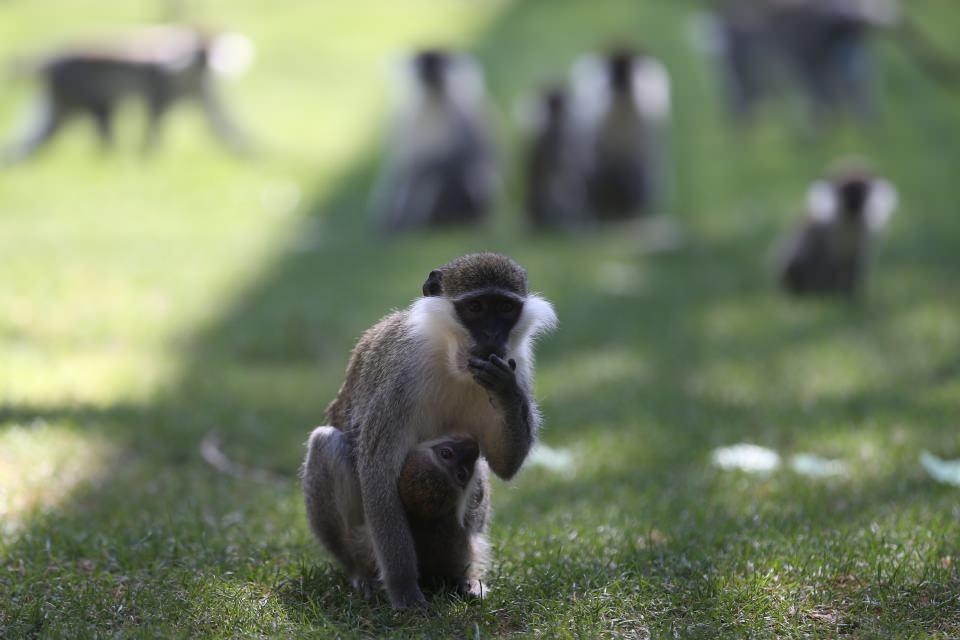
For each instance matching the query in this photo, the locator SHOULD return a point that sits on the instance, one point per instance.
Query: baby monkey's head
(436, 474)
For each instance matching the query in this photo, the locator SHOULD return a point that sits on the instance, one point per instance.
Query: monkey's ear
(433, 286)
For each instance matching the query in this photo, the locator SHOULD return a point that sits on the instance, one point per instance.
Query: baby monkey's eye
(446, 453)
(462, 474)
(506, 307)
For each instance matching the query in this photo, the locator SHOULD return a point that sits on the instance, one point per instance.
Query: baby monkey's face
(436, 474)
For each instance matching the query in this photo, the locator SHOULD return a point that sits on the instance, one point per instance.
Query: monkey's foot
(362, 586)
(408, 598)
(471, 589)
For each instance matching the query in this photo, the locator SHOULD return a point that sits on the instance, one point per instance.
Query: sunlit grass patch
(42, 464)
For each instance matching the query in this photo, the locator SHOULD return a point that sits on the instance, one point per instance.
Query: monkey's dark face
(436, 474)
(457, 457)
(621, 71)
(853, 195)
(431, 68)
(489, 316)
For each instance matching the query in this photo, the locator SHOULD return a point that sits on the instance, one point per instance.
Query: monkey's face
(621, 71)
(432, 66)
(489, 317)
(436, 474)
(853, 194)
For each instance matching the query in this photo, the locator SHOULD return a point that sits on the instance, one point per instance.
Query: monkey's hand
(496, 376)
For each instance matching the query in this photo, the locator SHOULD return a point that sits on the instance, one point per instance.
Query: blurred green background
(147, 302)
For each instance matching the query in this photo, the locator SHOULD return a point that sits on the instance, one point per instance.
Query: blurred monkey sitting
(828, 254)
(623, 102)
(556, 186)
(160, 65)
(440, 167)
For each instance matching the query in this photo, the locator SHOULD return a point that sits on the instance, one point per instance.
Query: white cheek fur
(434, 321)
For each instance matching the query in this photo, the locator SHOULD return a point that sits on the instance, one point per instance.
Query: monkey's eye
(475, 307)
(506, 306)
(462, 474)
(446, 453)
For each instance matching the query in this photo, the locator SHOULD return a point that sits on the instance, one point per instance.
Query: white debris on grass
(810, 464)
(945, 471)
(746, 457)
(556, 460)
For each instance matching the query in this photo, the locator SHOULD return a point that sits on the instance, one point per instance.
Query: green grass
(146, 303)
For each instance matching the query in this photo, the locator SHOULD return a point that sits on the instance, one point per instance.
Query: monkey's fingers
(501, 364)
(478, 364)
(492, 381)
(486, 379)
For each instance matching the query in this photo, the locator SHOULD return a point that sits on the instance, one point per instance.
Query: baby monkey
(444, 488)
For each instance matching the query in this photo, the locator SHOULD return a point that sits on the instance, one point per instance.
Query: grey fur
(408, 381)
(450, 539)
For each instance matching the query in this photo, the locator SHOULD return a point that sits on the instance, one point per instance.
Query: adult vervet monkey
(440, 166)
(828, 254)
(460, 355)
(445, 491)
(623, 101)
(159, 66)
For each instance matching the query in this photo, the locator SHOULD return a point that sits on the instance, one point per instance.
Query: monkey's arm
(381, 454)
(506, 450)
(477, 511)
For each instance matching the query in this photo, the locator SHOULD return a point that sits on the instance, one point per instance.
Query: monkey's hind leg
(334, 509)
(103, 117)
(47, 119)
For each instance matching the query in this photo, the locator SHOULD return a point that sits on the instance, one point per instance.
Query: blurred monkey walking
(160, 66)
(440, 167)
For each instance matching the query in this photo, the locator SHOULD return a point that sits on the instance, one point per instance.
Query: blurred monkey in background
(828, 254)
(623, 103)
(824, 45)
(440, 167)
(818, 46)
(555, 179)
(159, 65)
(737, 34)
